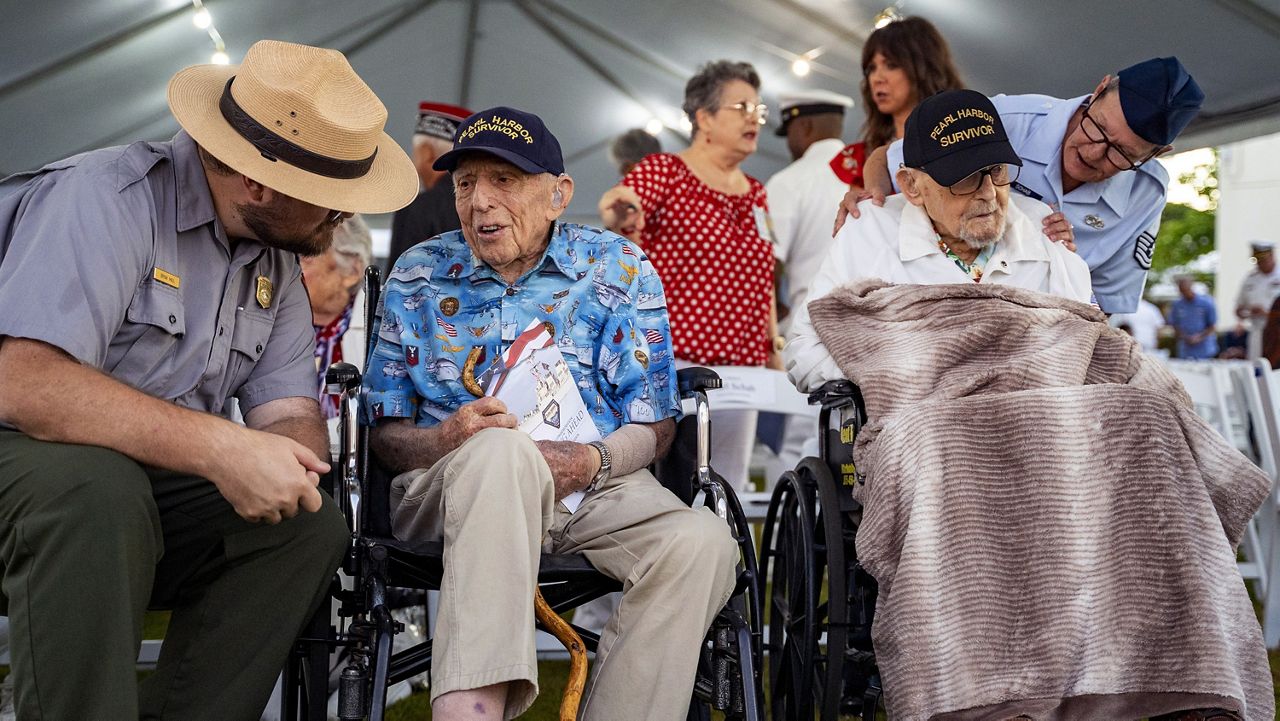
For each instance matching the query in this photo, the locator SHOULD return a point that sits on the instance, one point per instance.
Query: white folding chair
(1263, 534)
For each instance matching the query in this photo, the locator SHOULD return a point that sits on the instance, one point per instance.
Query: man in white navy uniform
(1075, 153)
(801, 196)
(1260, 288)
(952, 223)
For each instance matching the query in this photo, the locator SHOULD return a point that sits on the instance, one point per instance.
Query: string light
(886, 16)
(654, 126)
(204, 20)
(801, 67)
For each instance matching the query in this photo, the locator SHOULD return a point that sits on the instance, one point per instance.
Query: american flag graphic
(653, 336)
(449, 329)
(626, 250)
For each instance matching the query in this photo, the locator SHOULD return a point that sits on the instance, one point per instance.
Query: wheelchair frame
(728, 681)
(820, 655)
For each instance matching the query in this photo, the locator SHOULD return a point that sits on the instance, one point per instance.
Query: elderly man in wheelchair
(466, 475)
(1050, 527)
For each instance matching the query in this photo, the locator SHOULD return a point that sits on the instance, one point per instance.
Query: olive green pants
(89, 539)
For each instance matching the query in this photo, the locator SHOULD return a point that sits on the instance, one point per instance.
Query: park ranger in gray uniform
(144, 287)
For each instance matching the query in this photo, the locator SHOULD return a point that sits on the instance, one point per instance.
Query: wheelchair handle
(340, 378)
(344, 379)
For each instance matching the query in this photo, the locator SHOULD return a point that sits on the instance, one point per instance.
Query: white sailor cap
(810, 102)
(1261, 246)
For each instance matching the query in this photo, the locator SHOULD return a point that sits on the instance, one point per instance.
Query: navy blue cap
(517, 137)
(1159, 97)
(954, 134)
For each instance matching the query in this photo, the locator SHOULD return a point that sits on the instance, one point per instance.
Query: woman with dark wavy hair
(903, 63)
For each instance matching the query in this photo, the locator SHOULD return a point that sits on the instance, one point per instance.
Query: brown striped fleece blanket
(1052, 527)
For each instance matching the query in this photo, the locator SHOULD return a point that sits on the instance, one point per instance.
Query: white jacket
(897, 243)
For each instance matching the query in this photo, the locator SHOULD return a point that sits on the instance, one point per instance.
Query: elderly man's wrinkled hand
(849, 206)
(573, 465)
(473, 417)
(1060, 230)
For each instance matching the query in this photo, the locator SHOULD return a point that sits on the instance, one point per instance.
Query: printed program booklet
(535, 383)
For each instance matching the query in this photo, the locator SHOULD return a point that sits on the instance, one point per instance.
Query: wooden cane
(549, 619)
(577, 655)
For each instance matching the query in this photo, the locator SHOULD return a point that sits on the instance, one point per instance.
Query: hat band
(273, 147)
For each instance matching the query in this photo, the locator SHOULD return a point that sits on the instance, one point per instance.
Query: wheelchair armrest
(340, 378)
(692, 380)
(835, 394)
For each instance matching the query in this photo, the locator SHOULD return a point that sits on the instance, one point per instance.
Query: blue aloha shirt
(596, 292)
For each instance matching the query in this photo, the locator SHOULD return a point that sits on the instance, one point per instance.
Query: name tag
(166, 277)
(764, 226)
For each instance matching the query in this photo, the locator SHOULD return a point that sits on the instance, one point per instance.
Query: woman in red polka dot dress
(704, 224)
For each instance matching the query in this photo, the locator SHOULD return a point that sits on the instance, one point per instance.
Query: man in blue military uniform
(452, 306)
(1093, 159)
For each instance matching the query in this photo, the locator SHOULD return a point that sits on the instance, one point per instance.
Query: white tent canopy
(80, 74)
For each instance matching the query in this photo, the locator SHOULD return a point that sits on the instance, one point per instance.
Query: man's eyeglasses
(759, 111)
(336, 217)
(1115, 155)
(1001, 174)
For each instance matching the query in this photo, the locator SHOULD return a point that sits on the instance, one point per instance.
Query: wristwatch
(606, 466)
(779, 342)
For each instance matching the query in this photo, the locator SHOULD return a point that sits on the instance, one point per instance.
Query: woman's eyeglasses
(759, 111)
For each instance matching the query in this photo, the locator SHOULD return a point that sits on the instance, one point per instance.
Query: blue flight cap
(1159, 97)
(517, 137)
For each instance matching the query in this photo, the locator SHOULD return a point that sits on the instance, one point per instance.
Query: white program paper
(535, 383)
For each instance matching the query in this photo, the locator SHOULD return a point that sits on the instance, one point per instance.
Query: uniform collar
(826, 149)
(917, 238)
(195, 203)
(466, 263)
(1045, 147)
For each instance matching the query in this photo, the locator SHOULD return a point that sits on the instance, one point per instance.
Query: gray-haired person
(631, 147)
(704, 223)
(333, 281)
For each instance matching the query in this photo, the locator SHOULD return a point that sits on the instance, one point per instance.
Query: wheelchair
(821, 602)
(729, 670)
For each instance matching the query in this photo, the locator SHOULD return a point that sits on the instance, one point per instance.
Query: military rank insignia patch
(1143, 249)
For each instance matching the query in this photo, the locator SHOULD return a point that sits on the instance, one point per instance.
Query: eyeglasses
(336, 217)
(1001, 174)
(1115, 155)
(757, 110)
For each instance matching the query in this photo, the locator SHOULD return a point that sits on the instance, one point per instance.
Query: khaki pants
(491, 501)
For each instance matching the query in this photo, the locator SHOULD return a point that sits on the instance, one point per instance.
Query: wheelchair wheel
(808, 542)
(789, 556)
(729, 669)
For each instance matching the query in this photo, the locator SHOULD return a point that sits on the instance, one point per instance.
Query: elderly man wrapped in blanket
(1052, 528)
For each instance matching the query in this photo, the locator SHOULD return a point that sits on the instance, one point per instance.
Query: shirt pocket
(248, 342)
(159, 321)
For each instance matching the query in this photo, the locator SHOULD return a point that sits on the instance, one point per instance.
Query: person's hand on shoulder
(1060, 230)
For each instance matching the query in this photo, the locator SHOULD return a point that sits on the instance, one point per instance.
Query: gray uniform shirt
(117, 257)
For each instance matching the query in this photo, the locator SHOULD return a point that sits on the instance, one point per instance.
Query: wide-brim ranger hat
(954, 134)
(300, 121)
(515, 136)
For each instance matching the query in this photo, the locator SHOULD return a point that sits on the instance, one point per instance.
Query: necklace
(973, 269)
